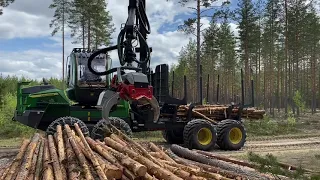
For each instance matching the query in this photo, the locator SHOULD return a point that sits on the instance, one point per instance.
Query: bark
(47, 167)
(153, 169)
(110, 170)
(97, 146)
(117, 139)
(157, 149)
(61, 150)
(34, 161)
(182, 173)
(234, 161)
(197, 171)
(79, 154)
(39, 161)
(186, 153)
(54, 157)
(134, 166)
(136, 145)
(92, 157)
(17, 161)
(73, 165)
(27, 160)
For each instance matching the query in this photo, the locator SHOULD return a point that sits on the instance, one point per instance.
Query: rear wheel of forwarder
(200, 134)
(173, 136)
(67, 120)
(101, 130)
(231, 134)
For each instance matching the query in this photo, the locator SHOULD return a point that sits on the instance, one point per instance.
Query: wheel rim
(235, 135)
(205, 136)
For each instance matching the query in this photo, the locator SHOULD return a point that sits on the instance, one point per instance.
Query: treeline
(277, 46)
(88, 21)
(8, 102)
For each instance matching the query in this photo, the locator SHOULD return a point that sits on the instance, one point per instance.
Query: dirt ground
(296, 149)
(296, 152)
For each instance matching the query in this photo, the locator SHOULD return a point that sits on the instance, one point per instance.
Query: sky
(28, 49)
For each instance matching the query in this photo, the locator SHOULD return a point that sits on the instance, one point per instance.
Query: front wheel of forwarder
(67, 120)
(231, 135)
(100, 130)
(200, 134)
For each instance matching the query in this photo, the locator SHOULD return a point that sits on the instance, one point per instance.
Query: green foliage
(270, 164)
(5, 3)
(9, 128)
(298, 101)
(8, 101)
(89, 21)
(267, 126)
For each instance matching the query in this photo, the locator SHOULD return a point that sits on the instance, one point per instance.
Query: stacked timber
(70, 155)
(219, 112)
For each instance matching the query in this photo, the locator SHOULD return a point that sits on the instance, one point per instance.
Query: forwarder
(132, 101)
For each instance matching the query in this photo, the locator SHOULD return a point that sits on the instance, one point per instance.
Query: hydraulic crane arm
(129, 86)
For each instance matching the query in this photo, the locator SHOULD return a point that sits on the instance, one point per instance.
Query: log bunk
(218, 112)
(70, 155)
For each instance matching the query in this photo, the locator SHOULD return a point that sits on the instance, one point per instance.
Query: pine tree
(247, 21)
(5, 3)
(62, 8)
(90, 23)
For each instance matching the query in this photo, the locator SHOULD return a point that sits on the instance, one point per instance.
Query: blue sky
(28, 49)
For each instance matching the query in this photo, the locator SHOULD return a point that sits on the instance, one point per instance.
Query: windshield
(98, 64)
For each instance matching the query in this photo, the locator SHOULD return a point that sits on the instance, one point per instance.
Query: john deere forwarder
(130, 97)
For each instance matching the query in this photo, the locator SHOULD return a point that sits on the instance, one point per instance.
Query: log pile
(70, 155)
(219, 112)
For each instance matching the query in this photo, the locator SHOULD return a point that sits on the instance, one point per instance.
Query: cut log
(234, 161)
(72, 164)
(188, 154)
(97, 146)
(157, 149)
(34, 161)
(61, 149)
(116, 138)
(197, 171)
(137, 168)
(149, 177)
(153, 169)
(182, 173)
(78, 153)
(54, 157)
(47, 167)
(136, 145)
(110, 170)
(39, 161)
(26, 164)
(17, 161)
(92, 157)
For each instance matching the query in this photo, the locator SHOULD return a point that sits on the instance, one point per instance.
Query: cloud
(31, 18)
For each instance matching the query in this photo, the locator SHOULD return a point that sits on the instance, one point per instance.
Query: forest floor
(301, 146)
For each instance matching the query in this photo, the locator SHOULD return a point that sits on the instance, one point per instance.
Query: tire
(173, 136)
(231, 135)
(100, 132)
(51, 129)
(200, 134)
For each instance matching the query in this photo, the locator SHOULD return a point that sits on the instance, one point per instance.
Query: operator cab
(84, 87)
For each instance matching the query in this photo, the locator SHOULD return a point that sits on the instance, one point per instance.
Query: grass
(11, 142)
(271, 127)
(154, 136)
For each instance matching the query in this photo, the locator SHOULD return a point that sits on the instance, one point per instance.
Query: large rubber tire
(100, 132)
(173, 136)
(200, 134)
(231, 135)
(51, 129)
